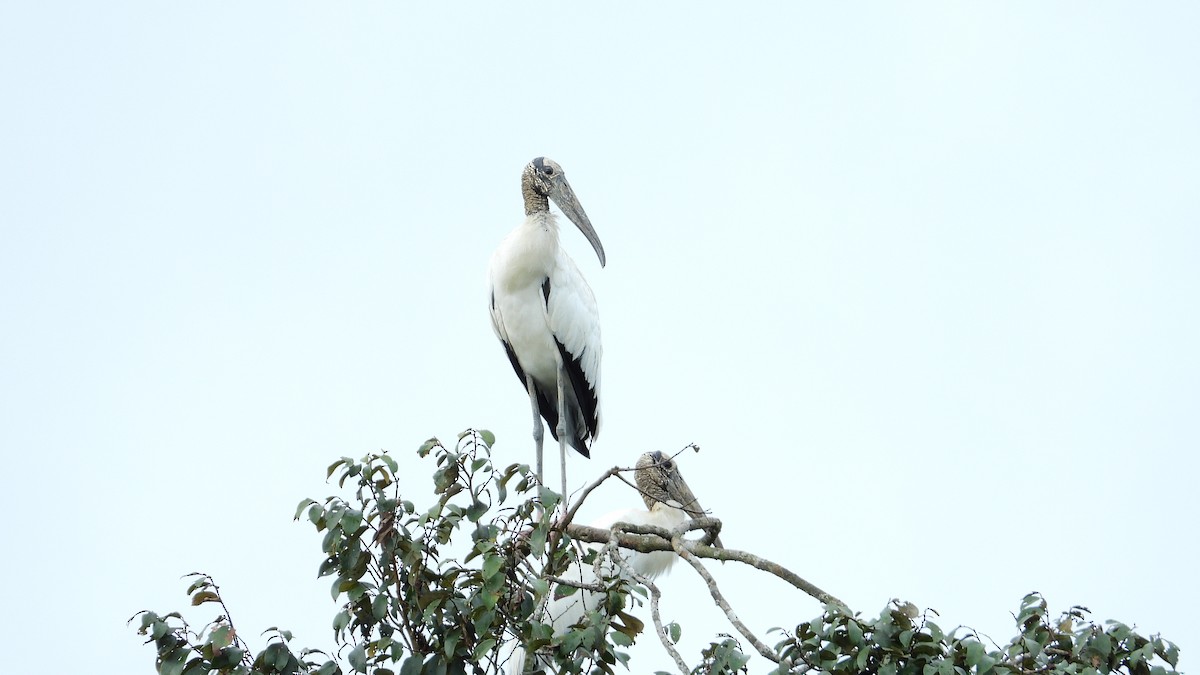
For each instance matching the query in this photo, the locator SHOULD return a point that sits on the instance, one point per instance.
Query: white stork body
(545, 315)
(670, 503)
(529, 323)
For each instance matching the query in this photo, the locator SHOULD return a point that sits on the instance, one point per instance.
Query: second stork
(545, 315)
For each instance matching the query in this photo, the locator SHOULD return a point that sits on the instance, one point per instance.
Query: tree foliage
(453, 587)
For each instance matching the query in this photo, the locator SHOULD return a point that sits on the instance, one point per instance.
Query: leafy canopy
(452, 587)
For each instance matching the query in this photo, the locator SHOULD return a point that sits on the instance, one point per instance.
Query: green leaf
(549, 498)
(276, 654)
(491, 565)
(855, 633)
(222, 637)
(537, 540)
(340, 621)
(633, 625)
(158, 629)
(483, 621)
(412, 665)
(358, 659)
(196, 666)
(675, 631)
(379, 606)
(333, 514)
(489, 439)
(174, 663)
(333, 467)
(304, 503)
(1171, 654)
(150, 617)
(203, 597)
(391, 464)
(328, 567)
(228, 658)
(564, 591)
(351, 521)
(975, 653)
(435, 666)
(483, 648)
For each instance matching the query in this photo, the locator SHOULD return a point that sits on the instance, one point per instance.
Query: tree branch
(647, 538)
(655, 594)
(690, 557)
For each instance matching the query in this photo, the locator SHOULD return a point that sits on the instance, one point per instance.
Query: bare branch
(647, 538)
(566, 519)
(594, 587)
(564, 523)
(655, 594)
(687, 555)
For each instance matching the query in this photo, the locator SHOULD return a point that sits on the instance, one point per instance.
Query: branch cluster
(451, 588)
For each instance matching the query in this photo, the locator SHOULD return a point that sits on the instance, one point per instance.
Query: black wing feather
(548, 412)
(582, 401)
(584, 397)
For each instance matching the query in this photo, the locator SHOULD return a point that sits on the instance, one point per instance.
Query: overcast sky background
(921, 280)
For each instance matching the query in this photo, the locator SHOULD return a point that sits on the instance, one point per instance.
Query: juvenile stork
(669, 504)
(545, 315)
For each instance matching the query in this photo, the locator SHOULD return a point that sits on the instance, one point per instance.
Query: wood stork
(545, 315)
(669, 503)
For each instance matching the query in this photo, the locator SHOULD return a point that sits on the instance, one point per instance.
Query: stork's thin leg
(562, 431)
(537, 423)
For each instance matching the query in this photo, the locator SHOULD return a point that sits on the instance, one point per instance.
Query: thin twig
(566, 519)
(226, 616)
(564, 522)
(562, 581)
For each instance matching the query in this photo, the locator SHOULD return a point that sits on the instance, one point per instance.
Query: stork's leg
(537, 423)
(562, 431)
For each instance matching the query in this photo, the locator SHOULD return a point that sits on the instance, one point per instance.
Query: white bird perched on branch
(545, 315)
(669, 504)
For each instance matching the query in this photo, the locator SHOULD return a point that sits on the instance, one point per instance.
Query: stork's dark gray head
(544, 179)
(659, 480)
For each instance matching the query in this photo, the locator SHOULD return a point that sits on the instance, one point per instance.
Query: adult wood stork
(545, 315)
(669, 503)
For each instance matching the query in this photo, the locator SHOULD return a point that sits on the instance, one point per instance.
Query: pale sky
(920, 279)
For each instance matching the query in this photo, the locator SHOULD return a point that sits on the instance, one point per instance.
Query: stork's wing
(575, 322)
(545, 405)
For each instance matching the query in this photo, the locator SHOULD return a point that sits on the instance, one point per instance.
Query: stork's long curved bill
(679, 491)
(564, 198)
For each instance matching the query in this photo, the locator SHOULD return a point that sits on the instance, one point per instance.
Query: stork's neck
(542, 222)
(534, 200)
